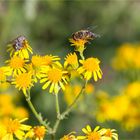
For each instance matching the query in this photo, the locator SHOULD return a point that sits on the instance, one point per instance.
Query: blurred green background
(48, 24)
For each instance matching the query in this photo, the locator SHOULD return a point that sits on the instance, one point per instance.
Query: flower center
(72, 59)
(79, 42)
(54, 75)
(24, 80)
(16, 62)
(91, 64)
(47, 60)
(94, 136)
(39, 131)
(12, 126)
(108, 133)
(37, 61)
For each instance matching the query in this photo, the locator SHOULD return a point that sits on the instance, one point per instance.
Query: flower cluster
(95, 134)
(23, 72)
(24, 69)
(127, 100)
(127, 57)
(9, 109)
(14, 128)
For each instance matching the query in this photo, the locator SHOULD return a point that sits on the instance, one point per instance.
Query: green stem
(58, 116)
(82, 56)
(37, 115)
(57, 105)
(66, 112)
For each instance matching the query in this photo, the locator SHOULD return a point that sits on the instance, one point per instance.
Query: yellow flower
(16, 65)
(37, 60)
(108, 134)
(38, 133)
(2, 131)
(71, 92)
(90, 134)
(98, 134)
(4, 86)
(23, 82)
(133, 90)
(137, 58)
(5, 97)
(20, 47)
(89, 88)
(20, 113)
(90, 68)
(69, 136)
(55, 77)
(49, 59)
(6, 104)
(127, 56)
(109, 108)
(3, 74)
(15, 128)
(71, 60)
(131, 119)
(79, 44)
(35, 66)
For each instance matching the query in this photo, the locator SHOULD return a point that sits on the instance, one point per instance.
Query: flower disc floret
(90, 68)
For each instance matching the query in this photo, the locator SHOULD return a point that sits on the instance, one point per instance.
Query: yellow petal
(62, 85)
(96, 128)
(85, 131)
(51, 88)
(81, 137)
(88, 128)
(19, 134)
(25, 53)
(25, 127)
(43, 80)
(95, 76)
(99, 74)
(8, 137)
(46, 85)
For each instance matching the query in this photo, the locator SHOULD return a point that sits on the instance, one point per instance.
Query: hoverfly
(18, 43)
(84, 35)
